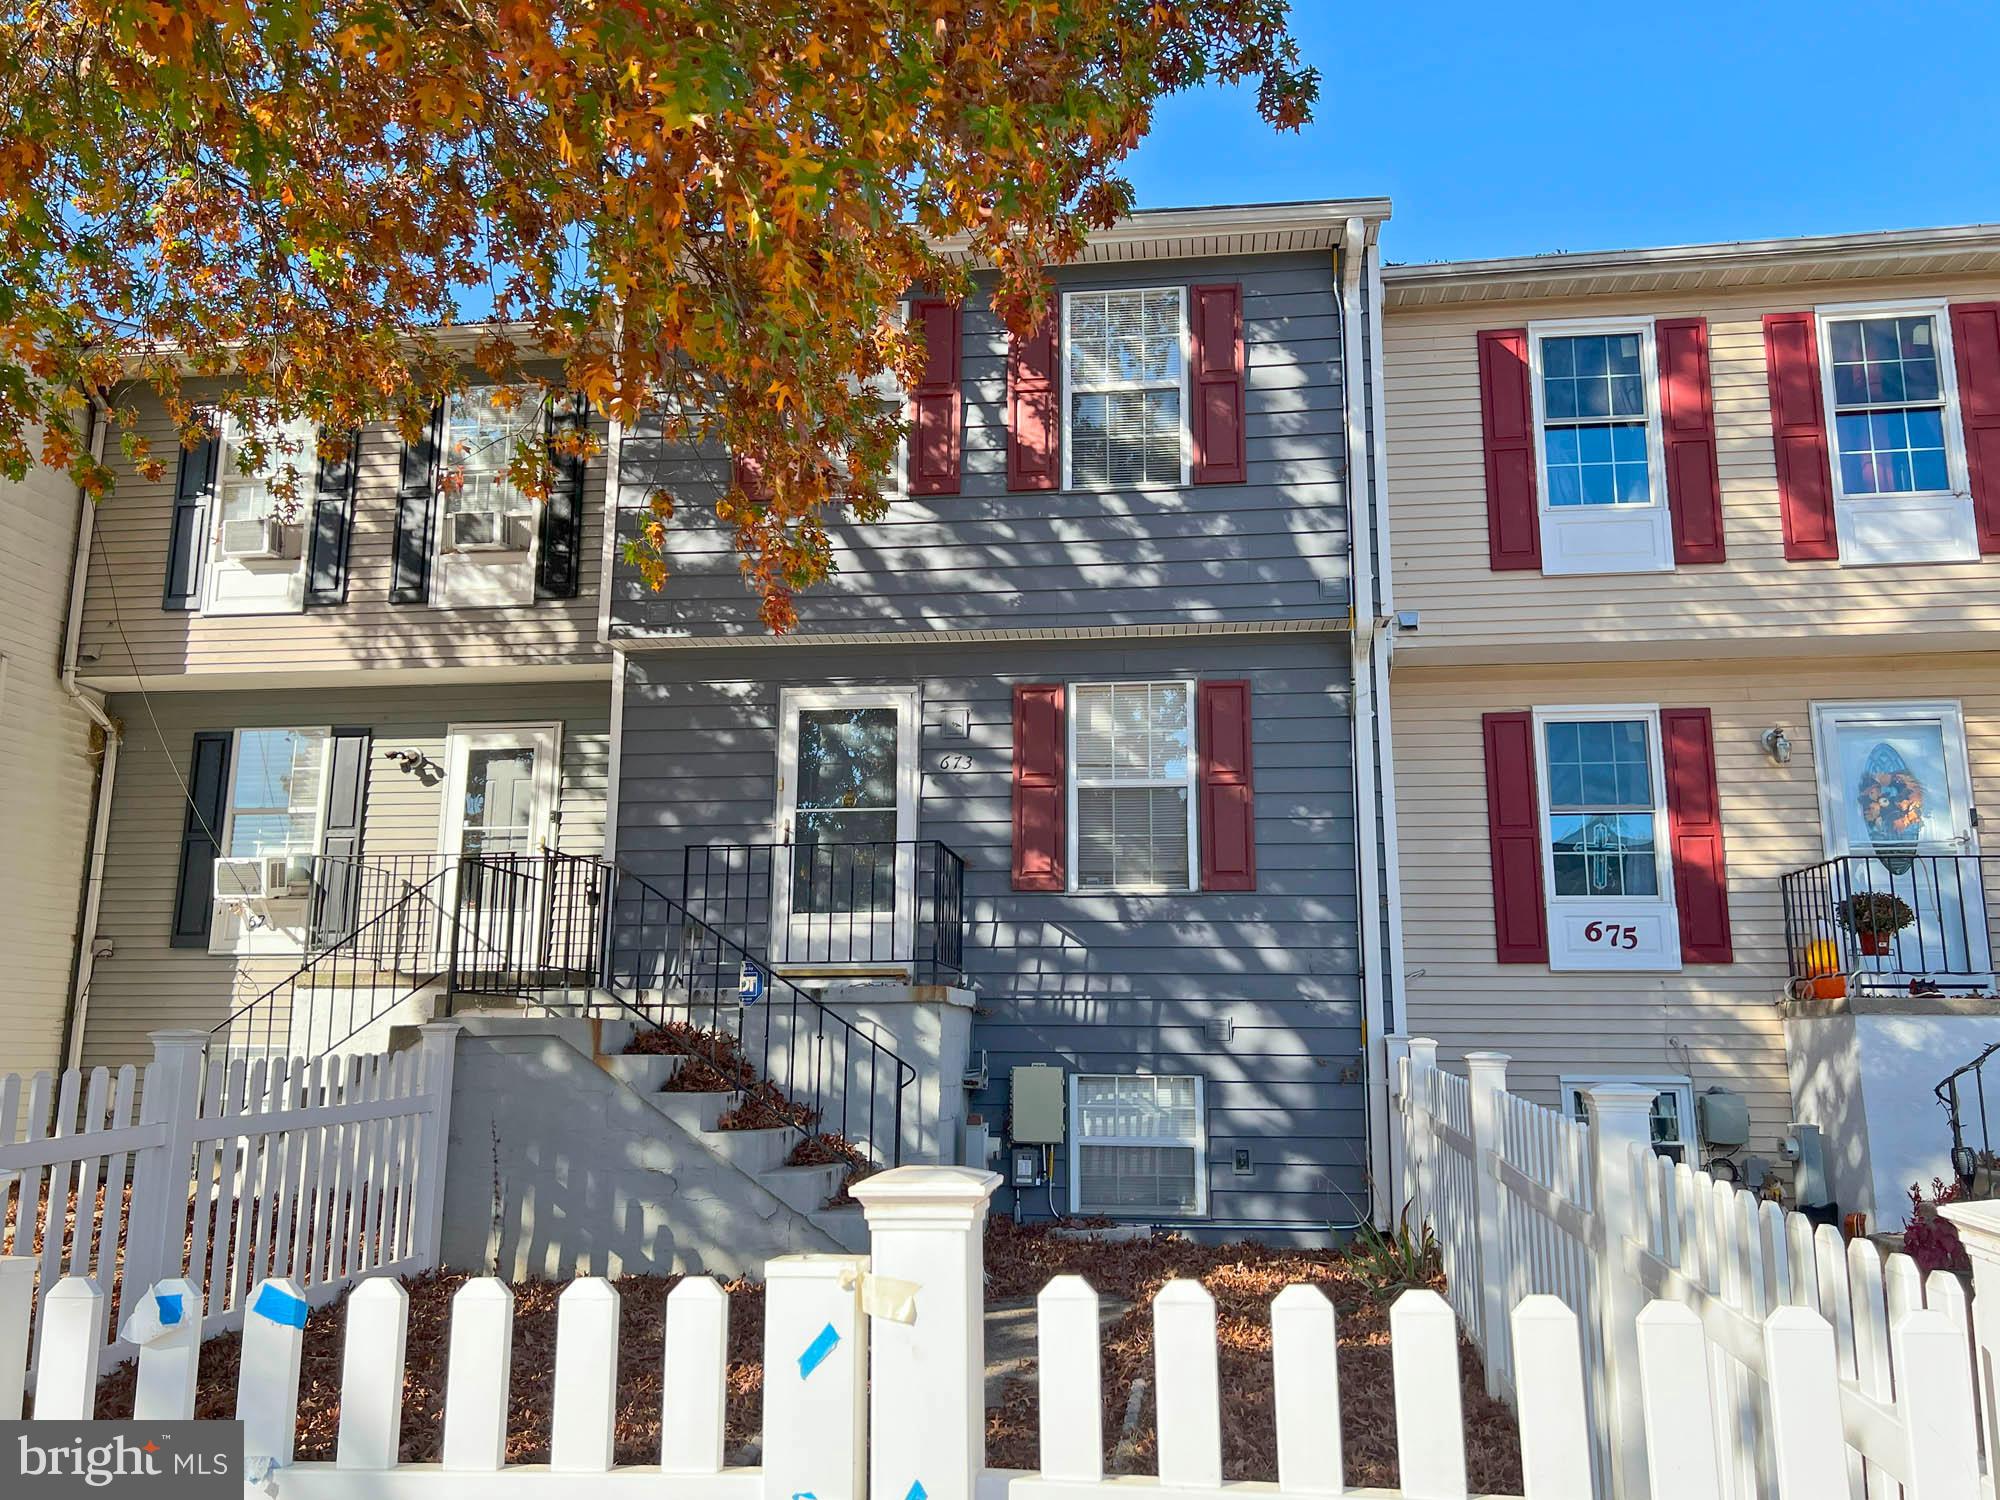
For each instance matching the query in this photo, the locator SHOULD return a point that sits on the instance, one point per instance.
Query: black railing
(1912, 923)
(395, 948)
(1969, 1163)
(521, 926)
(871, 907)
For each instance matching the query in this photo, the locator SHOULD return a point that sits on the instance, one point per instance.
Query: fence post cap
(1481, 1062)
(1978, 1225)
(1620, 1098)
(175, 1037)
(920, 1185)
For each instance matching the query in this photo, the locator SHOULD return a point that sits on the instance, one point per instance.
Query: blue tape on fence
(916, 1491)
(818, 1350)
(280, 1307)
(169, 1304)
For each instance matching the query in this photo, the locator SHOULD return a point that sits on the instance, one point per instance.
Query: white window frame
(228, 434)
(1647, 928)
(1187, 353)
(1075, 782)
(1678, 1084)
(1585, 539)
(1913, 526)
(1199, 1145)
(279, 934)
(440, 559)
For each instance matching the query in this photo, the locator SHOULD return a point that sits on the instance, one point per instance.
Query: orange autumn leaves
(706, 211)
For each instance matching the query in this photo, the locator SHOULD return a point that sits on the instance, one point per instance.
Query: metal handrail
(1965, 1162)
(830, 905)
(1945, 942)
(405, 931)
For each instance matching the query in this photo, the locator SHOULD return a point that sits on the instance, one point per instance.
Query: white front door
(843, 879)
(1896, 802)
(500, 799)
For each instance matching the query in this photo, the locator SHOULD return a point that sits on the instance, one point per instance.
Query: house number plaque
(956, 761)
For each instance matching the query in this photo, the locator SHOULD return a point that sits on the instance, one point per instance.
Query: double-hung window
(1606, 855)
(487, 524)
(1900, 490)
(1132, 787)
(273, 818)
(256, 545)
(1125, 389)
(1598, 447)
(1138, 1145)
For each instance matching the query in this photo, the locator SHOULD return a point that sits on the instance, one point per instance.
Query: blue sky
(1511, 130)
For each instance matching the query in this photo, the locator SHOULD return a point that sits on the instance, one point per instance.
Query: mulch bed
(1242, 1278)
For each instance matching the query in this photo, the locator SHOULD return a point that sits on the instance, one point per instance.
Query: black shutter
(208, 797)
(187, 538)
(416, 515)
(332, 523)
(337, 875)
(557, 571)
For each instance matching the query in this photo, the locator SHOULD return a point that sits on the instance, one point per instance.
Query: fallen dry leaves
(1243, 1278)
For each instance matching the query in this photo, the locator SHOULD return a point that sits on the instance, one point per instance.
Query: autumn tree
(710, 208)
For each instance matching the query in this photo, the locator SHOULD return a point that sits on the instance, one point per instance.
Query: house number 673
(1612, 934)
(956, 761)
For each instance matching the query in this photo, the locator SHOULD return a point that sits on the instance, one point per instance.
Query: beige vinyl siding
(147, 984)
(1724, 1014)
(1437, 502)
(48, 765)
(133, 637)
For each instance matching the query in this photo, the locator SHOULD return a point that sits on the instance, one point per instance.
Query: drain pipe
(107, 772)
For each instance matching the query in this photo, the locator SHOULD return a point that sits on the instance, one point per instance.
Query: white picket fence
(874, 1369)
(1525, 1200)
(224, 1173)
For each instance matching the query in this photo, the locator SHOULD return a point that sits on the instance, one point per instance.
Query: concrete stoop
(568, 1159)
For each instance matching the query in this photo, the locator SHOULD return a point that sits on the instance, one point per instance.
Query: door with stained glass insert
(500, 800)
(1903, 895)
(844, 876)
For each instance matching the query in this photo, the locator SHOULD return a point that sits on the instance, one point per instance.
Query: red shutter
(1215, 314)
(1975, 346)
(1687, 420)
(1694, 824)
(1034, 426)
(1798, 428)
(747, 474)
(1514, 829)
(934, 405)
(1507, 426)
(1228, 814)
(1040, 795)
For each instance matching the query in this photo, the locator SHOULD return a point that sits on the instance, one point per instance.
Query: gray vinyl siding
(1096, 982)
(1266, 553)
(145, 984)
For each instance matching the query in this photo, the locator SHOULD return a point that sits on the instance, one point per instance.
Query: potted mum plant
(1874, 917)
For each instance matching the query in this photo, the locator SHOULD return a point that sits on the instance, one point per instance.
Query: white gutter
(1362, 638)
(107, 773)
(612, 771)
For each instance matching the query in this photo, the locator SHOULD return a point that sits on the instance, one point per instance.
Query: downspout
(1362, 637)
(1381, 655)
(107, 772)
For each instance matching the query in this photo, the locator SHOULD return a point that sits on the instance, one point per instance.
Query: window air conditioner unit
(485, 531)
(288, 875)
(255, 536)
(240, 880)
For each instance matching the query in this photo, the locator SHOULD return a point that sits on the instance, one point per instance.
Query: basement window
(1138, 1145)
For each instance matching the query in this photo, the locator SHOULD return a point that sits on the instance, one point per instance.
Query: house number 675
(1612, 934)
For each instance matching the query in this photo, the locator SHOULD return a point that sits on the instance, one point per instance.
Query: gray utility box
(1035, 1106)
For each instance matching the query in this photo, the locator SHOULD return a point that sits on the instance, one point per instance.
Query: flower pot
(1829, 987)
(1874, 943)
